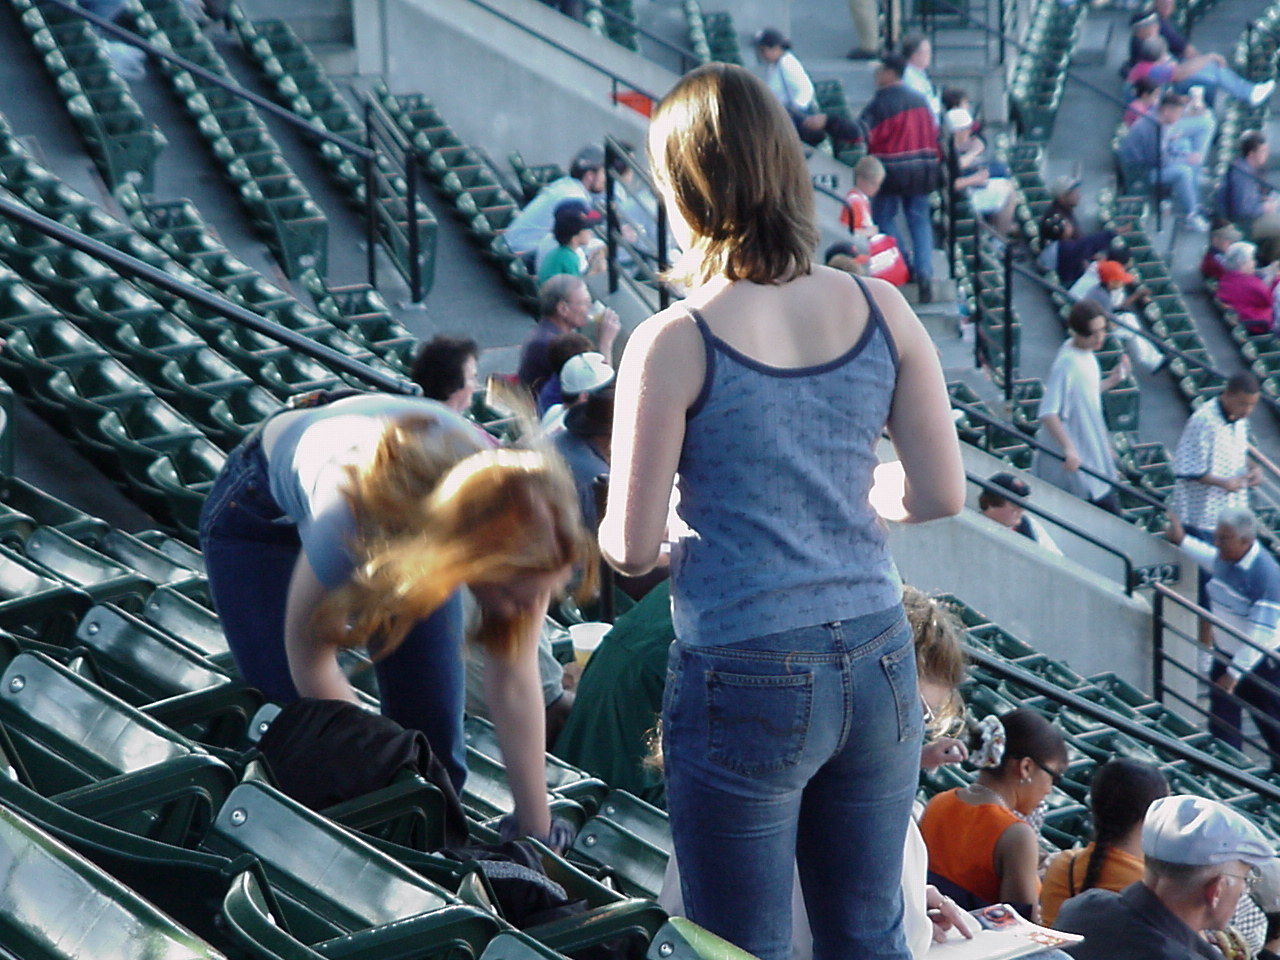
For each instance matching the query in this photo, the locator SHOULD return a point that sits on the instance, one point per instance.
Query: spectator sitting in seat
(1143, 27)
(584, 439)
(1119, 795)
(982, 850)
(870, 252)
(787, 78)
(564, 303)
(1212, 266)
(445, 369)
(1063, 248)
(1207, 69)
(903, 135)
(582, 375)
(585, 181)
(1009, 514)
(1250, 294)
(1146, 94)
(1147, 149)
(1198, 856)
(566, 250)
(1122, 299)
(917, 51)
(559, 350)
(1193, 133)
(1247, 201)
(1071, 411)
(987, 182)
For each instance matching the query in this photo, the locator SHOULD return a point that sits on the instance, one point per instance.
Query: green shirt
(560, 260)
(619, 700)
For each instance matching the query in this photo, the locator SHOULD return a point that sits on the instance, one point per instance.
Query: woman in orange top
(1119, 795)
(981, 849)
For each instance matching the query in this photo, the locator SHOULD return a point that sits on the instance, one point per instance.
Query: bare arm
(658, 379)
(1017, 856)
(513, 692)
(920, 423)
(312, 665)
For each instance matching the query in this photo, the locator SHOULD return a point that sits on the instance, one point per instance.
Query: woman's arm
(513, 691)
(1017, 859)
(920, 423)
(658, 380)
(313, 665)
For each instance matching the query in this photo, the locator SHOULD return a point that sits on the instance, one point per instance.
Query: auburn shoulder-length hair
(429, 522)
(724, 148)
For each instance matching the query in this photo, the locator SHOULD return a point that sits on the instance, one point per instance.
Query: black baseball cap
(772, 37)
(1015, 485)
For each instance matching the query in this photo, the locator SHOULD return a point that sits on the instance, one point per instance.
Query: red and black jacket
(903, 135)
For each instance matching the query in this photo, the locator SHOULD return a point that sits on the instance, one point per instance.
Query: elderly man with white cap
(1200, 856)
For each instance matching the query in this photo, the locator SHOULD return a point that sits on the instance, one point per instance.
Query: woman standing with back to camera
(792, 722)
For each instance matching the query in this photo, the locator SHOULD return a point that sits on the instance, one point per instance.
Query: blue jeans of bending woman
(250, 550)
(801, 747)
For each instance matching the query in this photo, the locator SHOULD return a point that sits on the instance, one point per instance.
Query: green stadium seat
(100, 576)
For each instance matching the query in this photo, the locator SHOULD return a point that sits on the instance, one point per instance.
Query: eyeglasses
(1250, 879)
(1054, 775)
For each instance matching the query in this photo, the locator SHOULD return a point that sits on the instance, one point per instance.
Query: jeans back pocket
(758, 724)
(900, 670)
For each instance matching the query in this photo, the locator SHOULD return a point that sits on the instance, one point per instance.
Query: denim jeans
(800, 747)
(1181, 182)
(250, 550)
(915, 207)
(1215, 76)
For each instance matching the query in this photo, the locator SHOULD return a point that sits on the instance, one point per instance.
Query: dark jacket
(1130, 925)
(903, 135)
(1240, 198)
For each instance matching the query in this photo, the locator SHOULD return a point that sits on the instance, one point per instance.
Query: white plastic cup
(586, 637)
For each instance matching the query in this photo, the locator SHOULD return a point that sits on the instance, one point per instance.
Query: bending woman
(791, 717)
(355, 524)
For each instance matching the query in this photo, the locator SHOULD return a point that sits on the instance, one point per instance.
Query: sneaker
(1261, 92)
(1195, 223)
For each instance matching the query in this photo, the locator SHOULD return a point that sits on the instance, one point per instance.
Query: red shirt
(856, 214)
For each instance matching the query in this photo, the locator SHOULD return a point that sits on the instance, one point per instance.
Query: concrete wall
(1073, 609)
(499, 86)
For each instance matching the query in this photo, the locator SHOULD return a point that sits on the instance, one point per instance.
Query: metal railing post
(1009, 372)
(610, 214)
(411, 216)
(1002, 21)
(1155, 180)
(979, 308)
(370, 200)
(1157, 645)
(664, 260)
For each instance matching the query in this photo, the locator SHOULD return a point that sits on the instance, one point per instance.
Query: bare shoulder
(672, 328)
(665, 351)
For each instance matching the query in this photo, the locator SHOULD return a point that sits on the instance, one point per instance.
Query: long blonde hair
(429, 523)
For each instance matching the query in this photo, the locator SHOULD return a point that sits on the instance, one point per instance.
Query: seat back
(328, 881)
(55, 904)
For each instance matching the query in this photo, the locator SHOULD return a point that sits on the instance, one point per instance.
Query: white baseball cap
(584, 373)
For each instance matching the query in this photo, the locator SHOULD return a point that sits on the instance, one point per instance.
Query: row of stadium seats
(302, 85)
(1039, 74)
(278, 203)
(460, 176)
(122, 142)
(712, 36)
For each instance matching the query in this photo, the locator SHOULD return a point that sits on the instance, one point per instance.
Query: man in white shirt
(1071, 411)
(586, 179)
(783, 73)
(918, 52)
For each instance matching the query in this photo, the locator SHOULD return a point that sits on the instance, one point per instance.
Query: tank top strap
(709, 356)
(876, 316)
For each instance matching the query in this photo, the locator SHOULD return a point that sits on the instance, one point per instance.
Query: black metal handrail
(1005, 493)
(381, 127)
(133, 267)
(615, 152)
(1014, 431)
(261, 102)
(688, 58)
(563, 48)
(1008, 372)
(1152, 738)
(1160, 658)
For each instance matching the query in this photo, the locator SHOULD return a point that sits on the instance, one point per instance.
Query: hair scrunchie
(990, 749)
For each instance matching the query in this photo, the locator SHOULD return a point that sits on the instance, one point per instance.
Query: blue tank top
(774, 479)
